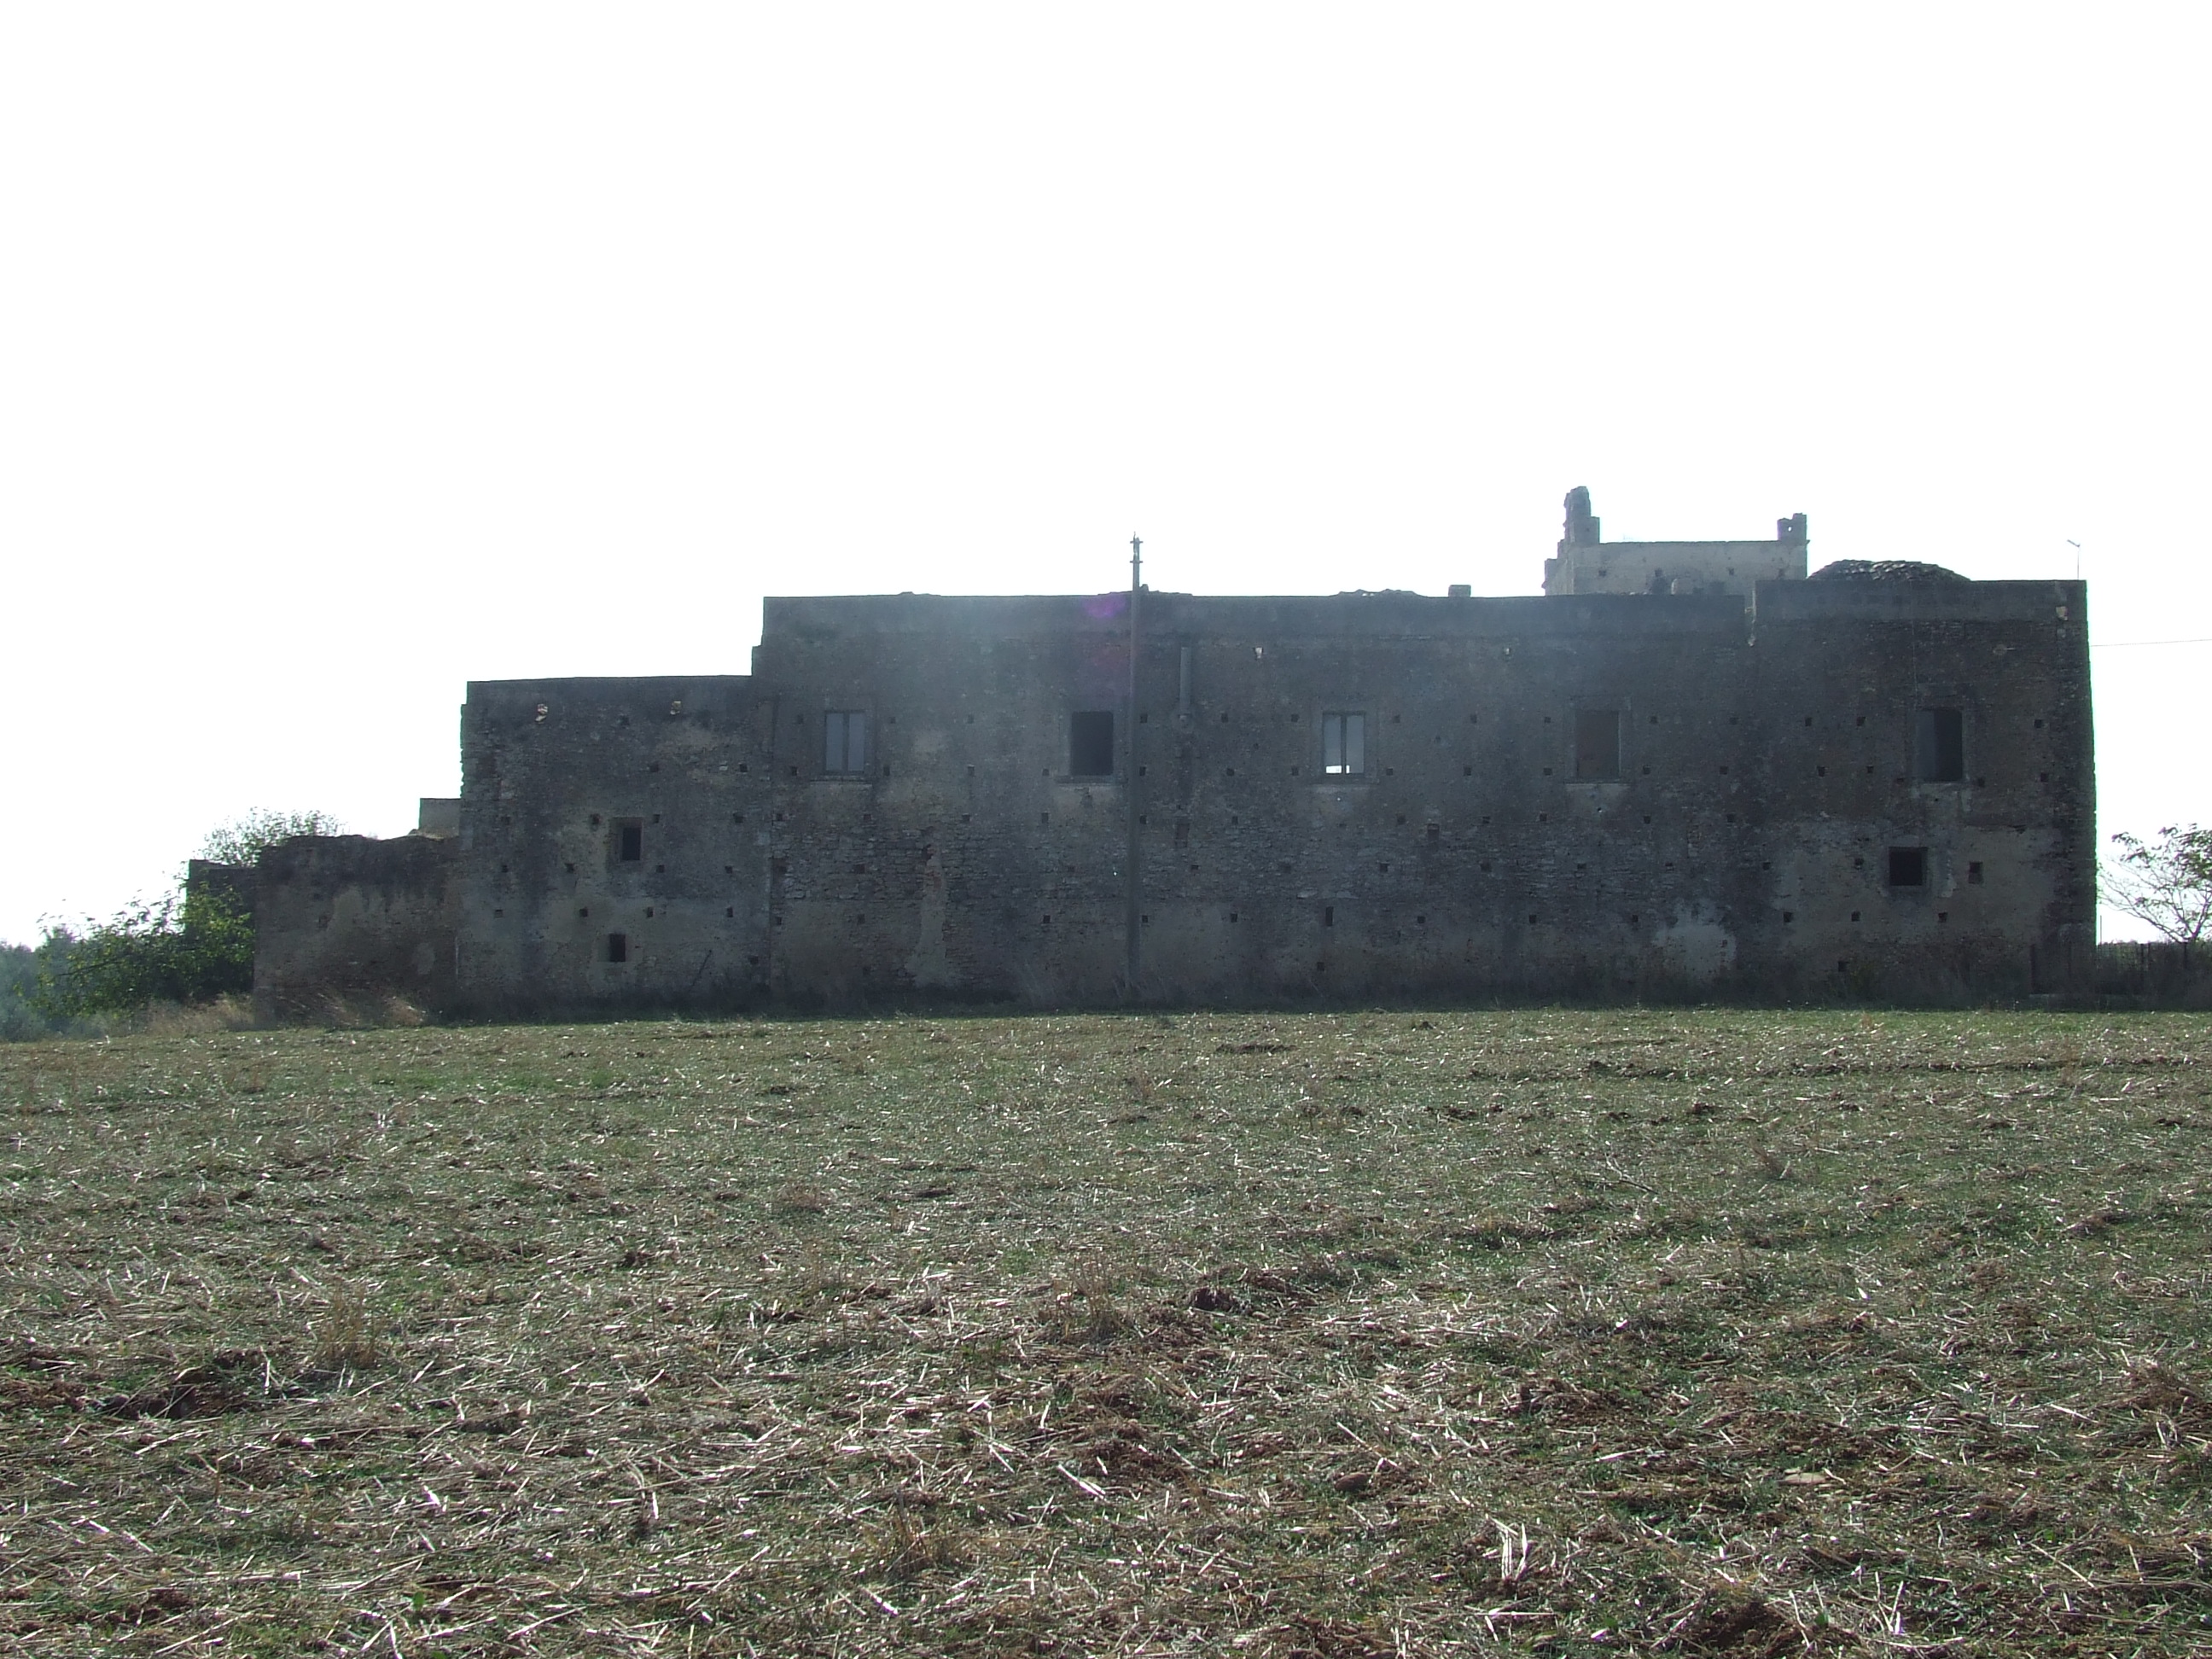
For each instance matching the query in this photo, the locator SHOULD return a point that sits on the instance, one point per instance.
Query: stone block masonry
(1775, 785)
(346, 916)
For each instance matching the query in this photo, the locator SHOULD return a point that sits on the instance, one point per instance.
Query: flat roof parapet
(2064, 602)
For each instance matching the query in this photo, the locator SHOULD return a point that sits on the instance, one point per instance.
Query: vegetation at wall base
(1693, 1331)
(171, 950)
(183, 949)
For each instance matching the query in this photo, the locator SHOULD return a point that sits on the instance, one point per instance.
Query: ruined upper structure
(1586, 565)
(1686, 770)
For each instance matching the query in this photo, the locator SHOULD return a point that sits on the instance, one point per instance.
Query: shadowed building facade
(1686, 770)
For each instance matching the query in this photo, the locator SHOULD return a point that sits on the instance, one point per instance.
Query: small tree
(243, 840)
(2167, 882)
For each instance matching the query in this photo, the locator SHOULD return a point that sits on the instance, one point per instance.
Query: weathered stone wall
(346, 916)
(1686, 770)
(1735, 845)
(553, 772)
(2008, 903)
(1674, 566)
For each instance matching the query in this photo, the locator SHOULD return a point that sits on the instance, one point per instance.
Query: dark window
(844, 741)
(1090, 743)
(617, 947)
(1597, 743)
(1939, 745)
(1908, 867)
(1183, 832)
(629, 841)
(1974, 874)
(1344, 745)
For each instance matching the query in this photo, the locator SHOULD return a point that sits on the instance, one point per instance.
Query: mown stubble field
(1668, 1332)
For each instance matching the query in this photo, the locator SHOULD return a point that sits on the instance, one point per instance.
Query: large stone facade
(1713, 783)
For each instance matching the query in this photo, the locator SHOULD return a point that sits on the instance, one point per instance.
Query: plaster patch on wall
(929, 966)
(1697, 947)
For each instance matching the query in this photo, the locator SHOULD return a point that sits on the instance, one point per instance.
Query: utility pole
(1133, 921)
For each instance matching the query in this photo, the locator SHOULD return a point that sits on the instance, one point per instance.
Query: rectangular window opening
(1343, 744)
(1974, 874)
(617, 947)
(1908, 867)
(1939, 745)
(1090, 743)
(1597, 743)
(845, 741)
(629, 841)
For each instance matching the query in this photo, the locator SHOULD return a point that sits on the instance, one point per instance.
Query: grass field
(1700, 1332)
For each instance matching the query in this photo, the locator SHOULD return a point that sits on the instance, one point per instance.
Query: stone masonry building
(1688, 769)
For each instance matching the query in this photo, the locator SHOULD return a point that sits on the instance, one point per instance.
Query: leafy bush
(185, 950)
(22, 1015)
(19, 982)
(163, 952)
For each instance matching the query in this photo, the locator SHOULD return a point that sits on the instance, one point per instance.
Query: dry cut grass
(1701, 1334)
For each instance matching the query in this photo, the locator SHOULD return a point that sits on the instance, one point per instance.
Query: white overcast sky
(347, 354)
